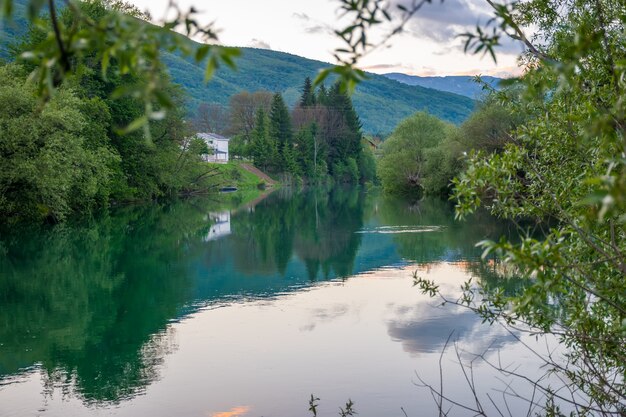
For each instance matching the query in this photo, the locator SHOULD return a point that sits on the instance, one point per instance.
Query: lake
(226, 308)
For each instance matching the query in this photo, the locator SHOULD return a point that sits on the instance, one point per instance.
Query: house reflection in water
(220, 227)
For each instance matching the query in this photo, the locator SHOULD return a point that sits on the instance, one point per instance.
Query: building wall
(220, 151)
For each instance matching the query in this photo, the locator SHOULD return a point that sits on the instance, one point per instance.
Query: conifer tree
(305, 151)
(289, 160)
(308, 95)
(322, 95)
(344, 144)
(280, 131)
(263, 147)
(280, 121)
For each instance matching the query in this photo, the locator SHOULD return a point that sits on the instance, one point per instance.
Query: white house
(220, 226)
(218, 145)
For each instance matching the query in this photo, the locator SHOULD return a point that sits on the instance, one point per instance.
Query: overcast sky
(429, 46)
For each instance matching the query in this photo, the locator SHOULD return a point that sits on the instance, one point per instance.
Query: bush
(414, 154)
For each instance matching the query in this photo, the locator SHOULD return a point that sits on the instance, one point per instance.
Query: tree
(243, 110)
(280, 120)
(118, 34)
(211, 118)
(367, 164)
(280, 132)
(263, 149)
(306, 150)
(322, 95)
(106, 160)
(489, 127)
(307, 99)
(53, 161)
(563, 163)
(411, 156)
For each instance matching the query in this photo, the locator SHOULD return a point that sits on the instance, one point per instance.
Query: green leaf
(134, 125)
(210, 69)
(321, 76)
(7, 8)
(202, 52)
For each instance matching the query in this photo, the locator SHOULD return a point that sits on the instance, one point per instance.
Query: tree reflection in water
(88, 304)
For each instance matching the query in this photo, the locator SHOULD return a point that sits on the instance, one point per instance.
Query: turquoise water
(201, 308)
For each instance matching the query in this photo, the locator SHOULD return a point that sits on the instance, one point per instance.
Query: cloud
(444, 21)
(325, 315)
(301, 16)
(313, 26)
(427, 72)
(315, 29)
(380, 67)
(425, 329)
(258, 43)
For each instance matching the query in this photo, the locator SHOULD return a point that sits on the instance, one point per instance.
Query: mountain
(462, 84)
(11, 30)
(380, 102)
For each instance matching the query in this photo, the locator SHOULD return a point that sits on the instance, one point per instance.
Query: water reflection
(90, 306)
(220, 227)
(425, 329)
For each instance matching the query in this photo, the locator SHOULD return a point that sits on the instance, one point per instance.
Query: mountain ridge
(380, 102)
(465, 85)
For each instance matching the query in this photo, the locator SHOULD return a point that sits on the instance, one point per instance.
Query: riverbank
(244, 176)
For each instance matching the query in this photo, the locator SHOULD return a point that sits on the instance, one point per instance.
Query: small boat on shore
(228, 189)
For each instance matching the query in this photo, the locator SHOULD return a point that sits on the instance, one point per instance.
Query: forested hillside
(380, 102)
(13, 30)
(464, 85)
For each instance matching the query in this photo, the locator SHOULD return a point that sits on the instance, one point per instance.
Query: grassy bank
(233, 174)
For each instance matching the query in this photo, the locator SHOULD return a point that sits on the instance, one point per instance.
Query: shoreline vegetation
(83, 126)
(91, 144)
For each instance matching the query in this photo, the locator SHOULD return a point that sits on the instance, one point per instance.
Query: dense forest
(84, 150)
(319, 139)
(98, 120)
(424, 154)
(381, 102)
(259, 69)
(74, 155)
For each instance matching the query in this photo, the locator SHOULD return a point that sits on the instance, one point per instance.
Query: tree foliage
(562, 165)
(116, 33)
(413, 159)
(418, 159)
(315, 140)
(75, 153)
(53, 159)
(565, 162)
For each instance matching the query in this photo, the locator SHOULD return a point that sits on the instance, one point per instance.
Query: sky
(428, 46)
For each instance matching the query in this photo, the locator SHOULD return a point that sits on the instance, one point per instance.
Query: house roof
(211, 136)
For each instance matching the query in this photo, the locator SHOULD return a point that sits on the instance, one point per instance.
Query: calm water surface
(202, 308)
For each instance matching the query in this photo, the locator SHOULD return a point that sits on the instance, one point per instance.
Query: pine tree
(344, 145)
(289, 160)
(308, 95)
(262, 150)
(305, 151)
(322, 95)
(280, 121)
(280, 131)
(354, 135)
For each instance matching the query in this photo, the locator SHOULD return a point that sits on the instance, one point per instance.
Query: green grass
(234, 175)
